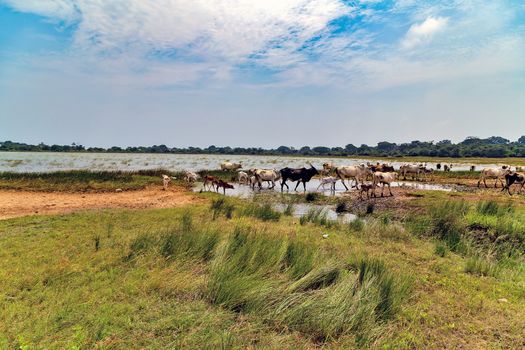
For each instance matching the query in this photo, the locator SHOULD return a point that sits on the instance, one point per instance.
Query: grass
(82, 180)
(264, 212)
(176, 278)
(481, 266)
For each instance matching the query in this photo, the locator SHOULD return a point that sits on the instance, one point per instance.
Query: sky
(260, 73)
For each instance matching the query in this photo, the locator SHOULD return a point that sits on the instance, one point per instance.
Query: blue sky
(260, 72)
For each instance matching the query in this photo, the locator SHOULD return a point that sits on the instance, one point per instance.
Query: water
(244, 191)
(301, 209)
(48, 161)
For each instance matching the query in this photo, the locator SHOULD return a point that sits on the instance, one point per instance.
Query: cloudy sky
(260, 72)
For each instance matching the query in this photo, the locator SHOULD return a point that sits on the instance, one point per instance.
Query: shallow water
(244, 191)
(49, 161)
(301, 209)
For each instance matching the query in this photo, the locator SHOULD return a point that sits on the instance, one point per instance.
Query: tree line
(493, 147)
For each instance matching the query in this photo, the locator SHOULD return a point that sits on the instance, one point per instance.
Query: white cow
(268, 175)
(165, 181)
(414, 170)
(243, 177)
(384, 179)
(190, 176)
(228, 166)
(494, 173)
(329, 180)
(355, 172)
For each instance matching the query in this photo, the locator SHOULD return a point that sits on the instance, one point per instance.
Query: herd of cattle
(357, 175)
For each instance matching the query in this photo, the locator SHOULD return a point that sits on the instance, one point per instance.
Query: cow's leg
(382, 190)
(304, 185)
(521, 187)
(390, 190)
(343, 181)
(297, 185)
(485, 182)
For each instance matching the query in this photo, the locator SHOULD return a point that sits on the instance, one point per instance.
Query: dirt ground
(22, 203)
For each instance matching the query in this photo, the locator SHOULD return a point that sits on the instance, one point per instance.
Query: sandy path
(22, 203)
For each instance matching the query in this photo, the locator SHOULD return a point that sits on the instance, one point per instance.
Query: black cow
(514, 178)
(303, 175)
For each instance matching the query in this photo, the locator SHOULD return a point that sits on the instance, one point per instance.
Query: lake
(49, 161)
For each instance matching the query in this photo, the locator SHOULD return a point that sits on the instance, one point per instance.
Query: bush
(311, 196)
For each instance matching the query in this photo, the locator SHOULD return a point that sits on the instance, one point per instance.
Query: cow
(493, 173)
(414, 170)
(384, 179)
(303, 175)
(243, 178)
(219, 183)
(228, 166)
(268, 175)
(165, 182)
(208, 180)
(438, 166)
(329, 180)
(427, 171)
(472, 168)
(447, 167)
(355, 172)
(327, 168)
(365, 188)
(190, 176)
(384, 168)
(514, 178)
(520, 169)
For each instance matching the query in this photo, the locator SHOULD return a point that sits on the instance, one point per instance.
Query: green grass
(82, 180)
(176, 278)
(481, 266)
(264, 212)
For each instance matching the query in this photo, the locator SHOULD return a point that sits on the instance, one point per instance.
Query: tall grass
(264, 212)
(481, 266)
(447, 222)
(491, 207)
(322, 300)
(318, 216)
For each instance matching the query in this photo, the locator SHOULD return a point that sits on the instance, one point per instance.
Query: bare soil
(22, 203)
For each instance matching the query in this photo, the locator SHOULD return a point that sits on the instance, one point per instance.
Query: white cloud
(422, 33)
(214, 29)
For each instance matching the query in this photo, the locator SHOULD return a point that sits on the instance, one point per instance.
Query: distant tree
(521, 140)
(471, 140)
(386, 146)
(497, 140)
(350, 149)
(321, 150)
(284, 150)
(444, 142)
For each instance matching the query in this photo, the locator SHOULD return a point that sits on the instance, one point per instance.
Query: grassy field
(94, 181)
(237, 274)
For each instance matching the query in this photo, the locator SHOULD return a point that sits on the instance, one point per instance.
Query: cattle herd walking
(365, 178)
